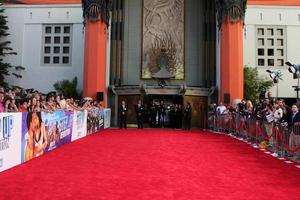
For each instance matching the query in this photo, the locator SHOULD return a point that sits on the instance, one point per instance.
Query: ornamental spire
(234, 10)
(95, 10)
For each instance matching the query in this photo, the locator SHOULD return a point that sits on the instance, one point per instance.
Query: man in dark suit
(187, 117)
(123, 115)
(139, 110)
(162, 114)
(153, 113)
(294, 124)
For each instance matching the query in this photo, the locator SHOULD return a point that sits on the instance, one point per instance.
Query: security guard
(139, 109)
(123, 115)
(153, 114)
(187, 117)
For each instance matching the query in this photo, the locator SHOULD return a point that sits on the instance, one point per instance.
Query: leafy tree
(67, 88)
(253, 84)
(6, 69)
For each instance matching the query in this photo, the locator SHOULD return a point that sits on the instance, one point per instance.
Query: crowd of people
(30, 100)
(158, 115)
(269, 112)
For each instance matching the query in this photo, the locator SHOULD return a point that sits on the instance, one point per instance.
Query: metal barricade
(276, 137)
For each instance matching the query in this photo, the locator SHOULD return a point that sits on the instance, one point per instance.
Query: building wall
(193, 44)
(26, 23)
(287, 16)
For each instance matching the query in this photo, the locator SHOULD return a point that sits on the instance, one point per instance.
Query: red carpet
(154, 165)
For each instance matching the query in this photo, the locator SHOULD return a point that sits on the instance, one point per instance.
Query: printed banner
(79, 125)
(95, 120)
(10, 140)
(59, 128)
(107, 116)
(42, 132)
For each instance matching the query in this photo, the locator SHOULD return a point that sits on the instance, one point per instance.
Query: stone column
(96, 21)
(230, 15)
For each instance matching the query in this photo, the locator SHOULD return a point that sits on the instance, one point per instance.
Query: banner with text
(79, 125)
(107, 116)
(10, 140)
(42, 132)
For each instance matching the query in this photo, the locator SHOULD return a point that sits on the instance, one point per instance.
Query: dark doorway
(169, 102)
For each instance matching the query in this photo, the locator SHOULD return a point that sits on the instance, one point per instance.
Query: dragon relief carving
(234, 10)
(95, 10)
(168, 46)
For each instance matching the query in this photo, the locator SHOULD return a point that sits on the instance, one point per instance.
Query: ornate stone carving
(234, 10)
(163, 28)
(95, 10)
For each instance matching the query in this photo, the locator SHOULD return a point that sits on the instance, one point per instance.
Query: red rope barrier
(231, 124)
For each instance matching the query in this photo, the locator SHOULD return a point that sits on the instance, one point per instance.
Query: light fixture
(293, 68)
(275, 75)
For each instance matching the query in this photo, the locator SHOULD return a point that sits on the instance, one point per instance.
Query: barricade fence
(280, 138)
(24, 136)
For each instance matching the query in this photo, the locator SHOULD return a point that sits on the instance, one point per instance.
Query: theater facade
(176, 51)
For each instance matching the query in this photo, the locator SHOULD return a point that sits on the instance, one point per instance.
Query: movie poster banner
(10, 140)
(43, 132)
(95, 120)
(79, 125)
(107, 116)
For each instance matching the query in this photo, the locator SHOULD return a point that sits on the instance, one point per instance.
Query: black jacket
(292, 120)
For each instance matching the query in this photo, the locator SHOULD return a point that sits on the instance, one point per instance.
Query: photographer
(221, 108)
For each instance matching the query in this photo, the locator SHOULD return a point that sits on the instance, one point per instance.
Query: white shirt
(278, 113)
(220, 109)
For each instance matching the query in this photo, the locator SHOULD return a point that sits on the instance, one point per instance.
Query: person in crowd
(88, 104)
(13, 105)
(24, 106)
(2, 104)
(278, 112)
(7, 104)
(221, 108)
(123, 115)
(33, 106)
(180, 116)
(139, 110)
(161, 114)
(175, 116)
(187, 117)
(294, 124)
(172, 116)
(153, 114)
(249, 106)
(269, 119)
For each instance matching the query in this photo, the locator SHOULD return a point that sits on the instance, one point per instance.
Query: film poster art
(163, 38)
(95, 120)
(43, 132)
